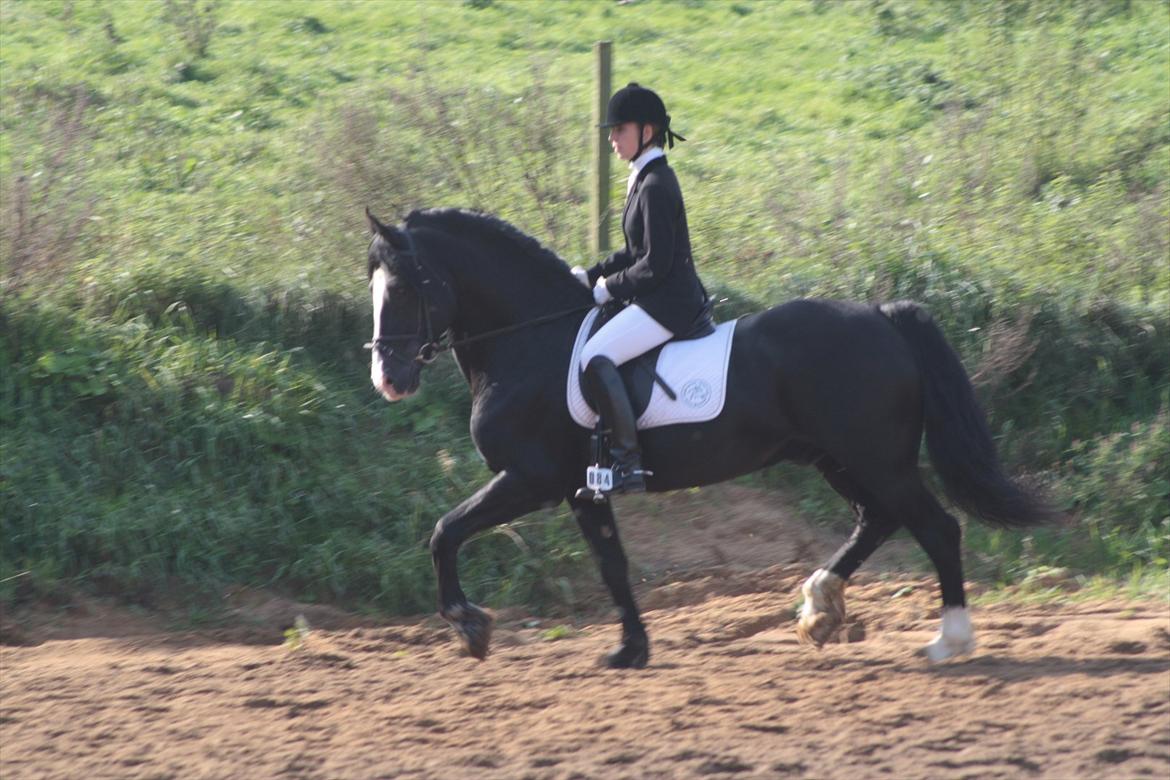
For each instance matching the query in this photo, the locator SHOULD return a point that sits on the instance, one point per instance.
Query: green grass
(558, 632)
(1045, 586)
(183, 398)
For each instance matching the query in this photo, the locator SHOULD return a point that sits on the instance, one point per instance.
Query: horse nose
(386, 386)
(382, 383)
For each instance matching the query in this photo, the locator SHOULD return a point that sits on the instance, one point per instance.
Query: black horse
(845, 387)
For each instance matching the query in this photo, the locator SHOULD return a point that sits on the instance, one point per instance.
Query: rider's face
(624, 139)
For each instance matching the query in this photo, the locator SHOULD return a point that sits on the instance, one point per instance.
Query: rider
(654, 273)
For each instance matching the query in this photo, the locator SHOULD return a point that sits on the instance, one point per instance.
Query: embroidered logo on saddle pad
(696, 370)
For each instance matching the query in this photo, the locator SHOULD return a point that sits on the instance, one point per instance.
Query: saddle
(640, 374)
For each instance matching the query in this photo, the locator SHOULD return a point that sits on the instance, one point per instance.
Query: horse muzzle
(403, 384)
(388, 392)
(391, 393)
(396, 388)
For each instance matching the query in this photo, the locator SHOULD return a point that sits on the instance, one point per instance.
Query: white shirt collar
(639, 162)
(652, 153)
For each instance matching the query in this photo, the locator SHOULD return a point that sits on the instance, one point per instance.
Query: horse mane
(462, 221)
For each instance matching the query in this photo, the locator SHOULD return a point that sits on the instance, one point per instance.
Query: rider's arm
(611, 265)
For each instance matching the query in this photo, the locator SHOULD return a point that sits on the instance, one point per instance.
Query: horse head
(413, 309)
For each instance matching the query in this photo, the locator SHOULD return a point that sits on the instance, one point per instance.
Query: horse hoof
(631, 655)
(956, 637)
(823, 610)
(816, 630)
(944, 649)
(474, 626)
(627, 657)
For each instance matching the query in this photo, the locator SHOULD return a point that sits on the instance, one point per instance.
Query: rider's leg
(629, 334)
(603, 385)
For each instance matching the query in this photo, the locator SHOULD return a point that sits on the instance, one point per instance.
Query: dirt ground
(1055, 690)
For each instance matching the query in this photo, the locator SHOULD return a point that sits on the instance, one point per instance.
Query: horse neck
(495, 289)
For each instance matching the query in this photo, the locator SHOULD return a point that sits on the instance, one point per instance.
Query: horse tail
(957, 435)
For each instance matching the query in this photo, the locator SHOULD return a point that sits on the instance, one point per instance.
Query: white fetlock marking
(812, 594)
(824, 605)
(819, 592)
(955, 638)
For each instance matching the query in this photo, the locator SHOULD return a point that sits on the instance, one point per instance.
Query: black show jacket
(655, 270)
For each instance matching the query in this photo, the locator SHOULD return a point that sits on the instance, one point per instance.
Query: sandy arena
(1073, 689)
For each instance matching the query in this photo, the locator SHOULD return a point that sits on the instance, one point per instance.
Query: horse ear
(391, 234)
(376, 227)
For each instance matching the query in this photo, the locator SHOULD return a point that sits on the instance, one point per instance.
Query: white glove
(580, 274)
(601, 293)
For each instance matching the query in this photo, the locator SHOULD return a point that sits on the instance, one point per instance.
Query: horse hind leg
(936, 531)
(823, 610)
(940, 536)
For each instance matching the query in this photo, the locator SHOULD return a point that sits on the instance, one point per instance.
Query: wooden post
(599, 195)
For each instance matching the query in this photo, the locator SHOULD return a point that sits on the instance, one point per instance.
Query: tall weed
(49, 200)
(510, 153)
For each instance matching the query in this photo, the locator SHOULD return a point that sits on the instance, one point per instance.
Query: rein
(517, 326)
(432, 347)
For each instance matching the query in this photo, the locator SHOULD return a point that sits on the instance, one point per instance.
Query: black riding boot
(605, 389)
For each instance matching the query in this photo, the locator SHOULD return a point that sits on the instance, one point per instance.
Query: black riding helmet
(635, 103)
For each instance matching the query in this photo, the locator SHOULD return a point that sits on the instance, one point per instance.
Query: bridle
(411, 266)
(419, 276)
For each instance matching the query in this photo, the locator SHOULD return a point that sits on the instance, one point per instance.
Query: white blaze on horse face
(378, 285)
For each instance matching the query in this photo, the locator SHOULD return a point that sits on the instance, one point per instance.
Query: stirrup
(632, 481)
(588, 494)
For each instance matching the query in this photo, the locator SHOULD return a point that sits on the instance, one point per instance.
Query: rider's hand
(601, 293)
(580, 274)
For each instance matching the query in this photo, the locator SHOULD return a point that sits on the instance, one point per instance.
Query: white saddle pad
(696, 370)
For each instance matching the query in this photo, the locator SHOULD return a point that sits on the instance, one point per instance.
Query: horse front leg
(502, 500)
(600, 531)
